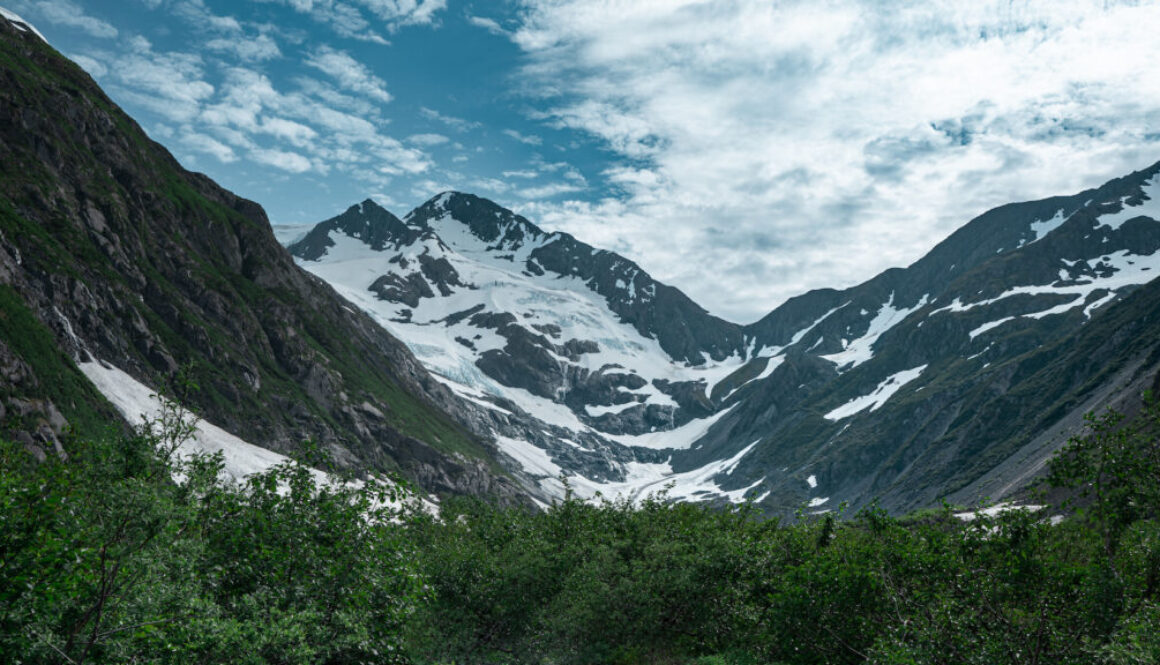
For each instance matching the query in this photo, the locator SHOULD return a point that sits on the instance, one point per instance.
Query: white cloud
(90, 65)
(548, 191)
(458, 124)
(282, 159)
(355, 18)
(427, 139)
(206, 144)
(293, 132)
(493, 185)
(524, 138)
(169, 84)
(488, 24)
(770, 148)
(198, 13)
(250, 49)
(349, 73)
(65, 12)
(521, 174)
(248, 105)
(405, 12)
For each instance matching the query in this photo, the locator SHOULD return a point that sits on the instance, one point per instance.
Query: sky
(743, 151)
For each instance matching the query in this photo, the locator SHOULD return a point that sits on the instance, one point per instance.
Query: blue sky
(743, 150)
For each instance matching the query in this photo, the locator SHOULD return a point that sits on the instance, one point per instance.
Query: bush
(125, 553)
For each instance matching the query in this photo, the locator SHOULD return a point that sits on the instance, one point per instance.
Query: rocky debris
(407, 290)
(440, 273)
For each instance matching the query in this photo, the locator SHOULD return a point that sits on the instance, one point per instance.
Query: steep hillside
(971, 364)
(112, 253)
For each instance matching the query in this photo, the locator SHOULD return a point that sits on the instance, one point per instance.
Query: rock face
(955, 377)
(110, 250)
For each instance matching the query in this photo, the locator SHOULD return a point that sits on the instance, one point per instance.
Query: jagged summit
(499, 229)
(367, 222)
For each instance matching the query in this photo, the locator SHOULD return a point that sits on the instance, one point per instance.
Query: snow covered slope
(140, 405)
(483, 313)
(513, 319)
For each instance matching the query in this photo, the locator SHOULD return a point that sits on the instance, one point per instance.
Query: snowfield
(140, 405)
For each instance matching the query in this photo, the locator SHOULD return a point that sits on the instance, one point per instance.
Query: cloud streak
(64, 12)
(351, 74)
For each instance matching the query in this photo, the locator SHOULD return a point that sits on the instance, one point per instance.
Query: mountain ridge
(1010, 281)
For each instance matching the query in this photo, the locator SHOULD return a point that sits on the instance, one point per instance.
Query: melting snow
(1123, 269)
(1149, 208)
(995, 510)
(1087, 311)
(599, 410)
(805, 331)
(770, 365)
(138, 403)
(680, 438)
(812, 481)
(1042, 227)
(645, 478)
(881, 394)
(987, 326)
(534, 460)
(860, 350)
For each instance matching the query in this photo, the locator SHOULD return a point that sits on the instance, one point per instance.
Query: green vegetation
(105, 558)
(60, 381)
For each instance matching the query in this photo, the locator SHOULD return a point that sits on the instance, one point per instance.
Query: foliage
(124, 553)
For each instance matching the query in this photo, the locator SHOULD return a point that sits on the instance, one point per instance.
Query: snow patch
(642, 479)
(1148, 208)
(139, 403)
(534, 460)
(1042, 227)
(861, 349)
(805, 331)
(20, 24)
(1119, 269)
(680, 438)
(995, 510)
(876, 399)
(989, 325)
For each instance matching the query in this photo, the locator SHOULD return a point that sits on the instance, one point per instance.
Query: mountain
(955, 377)
(958, 376)
(121, 274)
(474, 352)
